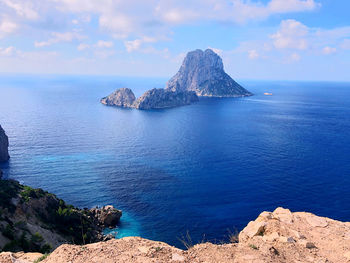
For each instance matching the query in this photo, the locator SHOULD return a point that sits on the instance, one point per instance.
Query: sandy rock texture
(279, 236)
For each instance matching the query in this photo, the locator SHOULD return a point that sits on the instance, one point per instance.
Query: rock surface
(107, 216)
(161, 98)
(123, 97)
(203, 72)
(4, 144)
(37, 221)
(278, 237)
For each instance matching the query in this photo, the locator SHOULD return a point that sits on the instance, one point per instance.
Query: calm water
(206, 168)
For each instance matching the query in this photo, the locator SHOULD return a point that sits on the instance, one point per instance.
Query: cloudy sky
(257, 39)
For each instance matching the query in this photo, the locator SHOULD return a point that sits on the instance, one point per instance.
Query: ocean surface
(206, 169)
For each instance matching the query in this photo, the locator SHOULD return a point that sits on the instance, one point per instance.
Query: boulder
(203, 72)
(107, 216)
(4, 144)
(123, 97)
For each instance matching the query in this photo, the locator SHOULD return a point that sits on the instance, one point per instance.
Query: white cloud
(59, 37)
(7, 27)
(294, 57)
(83, 46)
(22, 8)
(104, 44)
(345, 44)
(138, 17)
(135, 45)
(329, 50)
(103, 54)
(284, 6)
(253, 54)
(9, 51)
(291, 34)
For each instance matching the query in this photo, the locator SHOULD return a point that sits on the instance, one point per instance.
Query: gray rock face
(4, 144)
(203, 72)
(123, 97)
(107, 216)
(161, 98)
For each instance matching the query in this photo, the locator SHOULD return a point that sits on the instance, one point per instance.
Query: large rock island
(4, 144)
(201, 74)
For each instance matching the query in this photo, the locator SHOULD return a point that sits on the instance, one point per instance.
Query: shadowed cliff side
(4, 144)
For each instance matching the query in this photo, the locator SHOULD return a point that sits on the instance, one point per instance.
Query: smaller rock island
(201, 75)
(123, 97)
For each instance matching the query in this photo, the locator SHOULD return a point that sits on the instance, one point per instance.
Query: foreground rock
(33, 220)
(280, 236)
(123, 97)
(4, 144)
(161, 98)
(203, 72)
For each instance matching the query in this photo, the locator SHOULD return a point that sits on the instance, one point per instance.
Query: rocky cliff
(35, 220)
(4, 144)
(161, 98)
(278, 237)
(123, 97)
(203, 72)
(151, 99)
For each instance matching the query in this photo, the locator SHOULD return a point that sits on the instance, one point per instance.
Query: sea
(201, 171)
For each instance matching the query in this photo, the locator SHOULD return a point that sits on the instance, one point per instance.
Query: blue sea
(206, 169)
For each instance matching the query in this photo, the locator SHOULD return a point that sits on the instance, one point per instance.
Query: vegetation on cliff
(35, 220)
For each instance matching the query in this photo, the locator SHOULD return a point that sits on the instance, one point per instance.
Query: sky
(261, 40)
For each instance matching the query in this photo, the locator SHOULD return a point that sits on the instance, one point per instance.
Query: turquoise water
(207, 168)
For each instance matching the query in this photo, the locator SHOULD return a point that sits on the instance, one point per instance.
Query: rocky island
(201, 74)
(4, 144)
(151, 99)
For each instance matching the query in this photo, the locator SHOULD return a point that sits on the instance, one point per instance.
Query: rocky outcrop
(151, 99)
(4, 144)
(280, 236)
(161, 98)
(123, 97)
(203, 72)
(37, 221)
(107, 216)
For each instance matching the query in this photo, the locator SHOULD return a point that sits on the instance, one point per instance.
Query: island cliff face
(123, 97)
(151, 99)
(161, 98)
(4, 144)
(203, 72)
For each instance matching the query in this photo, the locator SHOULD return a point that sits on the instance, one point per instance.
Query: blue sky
(270, 39)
